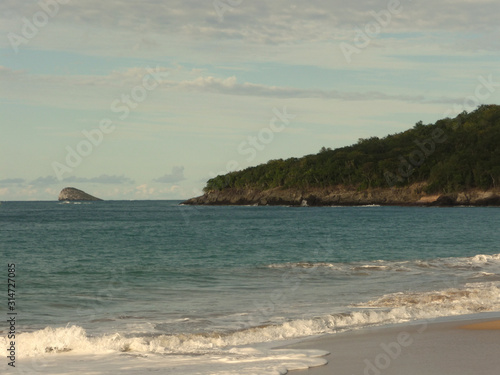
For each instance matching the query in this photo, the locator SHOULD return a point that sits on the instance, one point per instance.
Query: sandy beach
(461, 347)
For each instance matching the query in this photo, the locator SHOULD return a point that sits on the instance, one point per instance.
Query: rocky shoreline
(342, 196)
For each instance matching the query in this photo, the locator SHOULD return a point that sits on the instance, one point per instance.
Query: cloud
(225, 86)
(230, 86)
(177, 175)
(129, 76)
(144, 190)
(12, 181)
(102, 179)
(44, 181)
(8, 74)
(256, 21)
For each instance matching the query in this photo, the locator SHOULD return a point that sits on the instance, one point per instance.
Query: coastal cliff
(72, 194)
(340, 196)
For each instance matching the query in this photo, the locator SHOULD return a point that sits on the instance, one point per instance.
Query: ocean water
(152, 286)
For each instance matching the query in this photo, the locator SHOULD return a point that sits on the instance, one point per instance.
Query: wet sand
(465, 347)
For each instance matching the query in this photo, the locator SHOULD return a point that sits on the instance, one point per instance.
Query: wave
(474, 298)
(477, 262)
(72, 202)
(114, 353)
(387, 309)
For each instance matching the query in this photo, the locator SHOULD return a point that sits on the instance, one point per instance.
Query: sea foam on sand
(84, 358)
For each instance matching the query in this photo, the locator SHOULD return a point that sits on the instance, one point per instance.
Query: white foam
(239, 352)
(482, 258)
(254, 362)
(69, 351)
(390, 308)
(473, 298)
(476, 262)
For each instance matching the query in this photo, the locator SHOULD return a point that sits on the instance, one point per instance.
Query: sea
(156, 287)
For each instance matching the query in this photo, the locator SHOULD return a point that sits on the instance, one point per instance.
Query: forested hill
(451, 155)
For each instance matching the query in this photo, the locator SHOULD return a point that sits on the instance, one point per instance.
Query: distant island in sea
(73, 194)
(451, 162)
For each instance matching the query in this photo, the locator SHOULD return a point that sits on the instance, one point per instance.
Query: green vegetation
(450, 155)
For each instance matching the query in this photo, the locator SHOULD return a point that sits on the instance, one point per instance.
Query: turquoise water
(147, 270)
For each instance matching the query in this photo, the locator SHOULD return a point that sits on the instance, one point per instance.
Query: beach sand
(488, 325)
(465, 347)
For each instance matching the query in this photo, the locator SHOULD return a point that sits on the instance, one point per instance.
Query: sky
(149, 99)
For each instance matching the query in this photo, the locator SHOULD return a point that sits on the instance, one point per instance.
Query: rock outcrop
(72, 194)
(413, 195)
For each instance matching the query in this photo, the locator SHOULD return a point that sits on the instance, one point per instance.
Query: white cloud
(209, 84)
(230, 86)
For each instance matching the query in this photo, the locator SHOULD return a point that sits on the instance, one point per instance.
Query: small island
(449, 163)
(73, 194)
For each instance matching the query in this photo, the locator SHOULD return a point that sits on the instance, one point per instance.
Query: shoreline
(412, 196)
(463, 346)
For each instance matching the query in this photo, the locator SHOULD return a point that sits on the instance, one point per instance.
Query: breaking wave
(477, 262)
(387, 309)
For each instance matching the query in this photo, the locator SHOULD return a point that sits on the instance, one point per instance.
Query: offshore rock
(72, 194)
